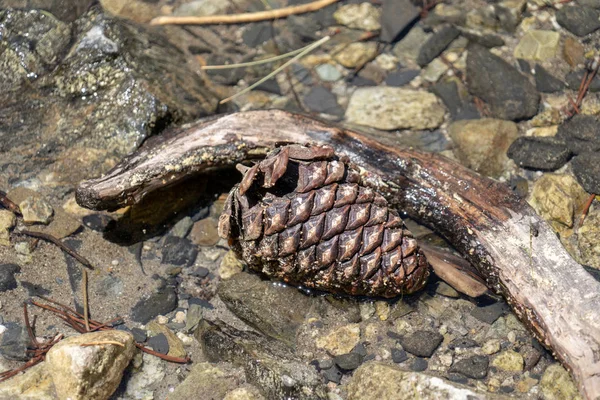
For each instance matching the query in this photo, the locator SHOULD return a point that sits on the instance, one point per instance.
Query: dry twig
(9, 204)
(245, 17)
(64, 247)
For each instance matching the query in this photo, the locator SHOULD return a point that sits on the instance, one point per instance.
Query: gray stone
(193, 318)
(159, 343)
(574, 79)
(182, 227)
(378, 381)
(490, 313)
(475, 367)
(581, 133)
(98, 69)
(7, 276)
(456, 98)
(543, 153)
(407, 49)
(332, 374)
(579, 20)
(586, 168)
(179, 251)
(328, 72)
(207, 381)
(14, 342)
(391, 108)
(436, 43)
(269, 365)
(110, 286)
(546, 82)
(276, 311)
(422, 343)
(418, 364)
(159, 303)
(396, 16)
(509, 94)
(323, 101)
(349, 361)
(486, 40)
(462, 343)
(402, 77)
(398, 355)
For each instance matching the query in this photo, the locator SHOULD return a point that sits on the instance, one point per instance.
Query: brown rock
(204, 232)
(573, 52)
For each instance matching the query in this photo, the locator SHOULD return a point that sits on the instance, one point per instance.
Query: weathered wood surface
(513, 248)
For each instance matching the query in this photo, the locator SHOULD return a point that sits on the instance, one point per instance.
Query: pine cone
(302, 216)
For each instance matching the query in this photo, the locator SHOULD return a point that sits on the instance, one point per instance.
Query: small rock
(340, 340)
(525, 384)
(573, 52)
(204, 232)
(7, 276)
(110, 286)
(398, 355)
(194, 315)
(258, 33)
(178, 251)
(349, 361)
(509, 94)
(387, 62)
(36, 211)
(230, 265)
(578, 19)
(14, 342)
(589, 237)
(459, 102)
(407, 49)
(378, 381)
(485, 40)
(401, 78)
(276, 311)
(90, 372)
(422, 343)
(199, 8)
(556, 384)
(436, 43)
(462, 343)
(547, 83)
(161, 302)
(434, 70)
(328, 72)
(396, 16)
(174, 345)
(492, 346)
(490, 313)
(244, 393)
(538, 45)
(139, 335)
(586, 168)
(475, 367)
(442, 288)
(323, 101)
(355, 54)
(159, 343)
(200, 272)
(581, 133)
(482, 144)
(556, 198)
(7, 221)
(510, 13)
(541, 153)
(332, 374)
(574, 79)
(97, 222)
(206, 381)
(139, 383)
(363, 16)
(391, 108)
(182, 227)
(531, 356)
(418, 364)
(35, 384)
(509, 361)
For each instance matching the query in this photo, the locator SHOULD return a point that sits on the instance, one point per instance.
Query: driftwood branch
(513, 248)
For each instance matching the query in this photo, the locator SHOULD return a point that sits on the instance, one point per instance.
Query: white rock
(90, 372)
(390, 108)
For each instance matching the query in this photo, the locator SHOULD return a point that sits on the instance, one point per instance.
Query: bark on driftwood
(514, 249)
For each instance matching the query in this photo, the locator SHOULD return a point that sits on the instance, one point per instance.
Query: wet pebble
(395, 17)
(475, 367)
(204, 232)
(460, 108)
(509, 94)
(574, 79)
(419, 364)
(586, 168)
(422, 343)
(401, 78)
(178, 251)
(399, 355)
(7, 276)
(546, 82)
(182, 227)
(159, 343)
(323, 101)
(200, 272)
(541, 153)
(490, 313)
(14, 342)
(328, 72)
(578, 19)
(332, 374)
(160, 302)
(581, 133)
(139, 335)
(437, 43)
(462, 343)
(349, 361)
